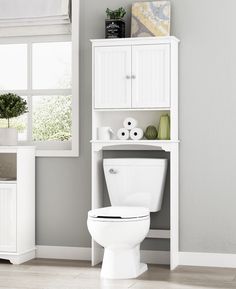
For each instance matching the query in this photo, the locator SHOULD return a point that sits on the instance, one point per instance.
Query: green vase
(151, 132)
(164, 127)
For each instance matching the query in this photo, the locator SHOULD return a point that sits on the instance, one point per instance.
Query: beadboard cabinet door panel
(7, 217)
(112, 77)
(151, 76)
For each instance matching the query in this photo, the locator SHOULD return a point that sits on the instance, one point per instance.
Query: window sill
(57, 153)
(54, 149)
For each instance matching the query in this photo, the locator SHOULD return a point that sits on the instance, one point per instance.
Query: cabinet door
(112, 77)
(151, 76)
(7, 217)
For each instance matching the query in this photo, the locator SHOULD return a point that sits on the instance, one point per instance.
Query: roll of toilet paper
(130, 123)
(136, 134)
(123, 134)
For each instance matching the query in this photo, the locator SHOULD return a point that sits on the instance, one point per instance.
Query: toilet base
(122, 263)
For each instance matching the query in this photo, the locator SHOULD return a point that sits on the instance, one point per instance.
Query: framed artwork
(150, 19)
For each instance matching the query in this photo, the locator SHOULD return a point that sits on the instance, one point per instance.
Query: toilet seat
(119, 214)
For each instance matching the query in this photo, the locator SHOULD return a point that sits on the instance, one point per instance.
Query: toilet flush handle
(112, 171)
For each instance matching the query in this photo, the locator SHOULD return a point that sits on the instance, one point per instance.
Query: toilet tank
(136, 182)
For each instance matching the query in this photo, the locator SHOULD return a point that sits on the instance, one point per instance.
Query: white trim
(174, 206)
(56, 153)
(207, 259)
(19, 258)
(35, 39)
(81, 253)
(50, 149)
(67, 253)
(133, 109)
(35, 30)
(38, 92)
(31, 22)
(134, 41)
(29, 96)
(52, 145)
(75, 77)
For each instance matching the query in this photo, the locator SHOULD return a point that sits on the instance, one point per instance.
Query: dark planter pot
(115, 28)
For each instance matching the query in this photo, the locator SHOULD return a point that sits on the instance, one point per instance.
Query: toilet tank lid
(119, 212)
(135, 161)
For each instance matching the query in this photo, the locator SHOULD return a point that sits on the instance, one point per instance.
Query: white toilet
(135, 188)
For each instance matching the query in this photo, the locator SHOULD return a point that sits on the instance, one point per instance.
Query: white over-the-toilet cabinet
(17, 203)
(136, 77)
(132, 76)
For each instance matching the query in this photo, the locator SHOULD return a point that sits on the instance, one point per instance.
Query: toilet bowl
(135, 188)
(120, 230)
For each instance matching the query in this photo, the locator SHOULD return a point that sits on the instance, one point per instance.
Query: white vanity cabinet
(132, 74)
(8, 218)
(17, 203)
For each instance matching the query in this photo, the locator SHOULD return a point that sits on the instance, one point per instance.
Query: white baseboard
(19, 258)
(80, 253)
(150, 257)
(60, 252)
(207, 259)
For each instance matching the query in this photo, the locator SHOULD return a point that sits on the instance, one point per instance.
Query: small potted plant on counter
(11, 106)
(115, 25)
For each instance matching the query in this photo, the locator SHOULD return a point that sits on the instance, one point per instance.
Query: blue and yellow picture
(150, 19)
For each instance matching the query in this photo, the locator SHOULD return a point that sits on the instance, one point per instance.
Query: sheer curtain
(34, 12)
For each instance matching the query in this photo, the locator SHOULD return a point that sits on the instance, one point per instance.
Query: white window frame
(51, 148)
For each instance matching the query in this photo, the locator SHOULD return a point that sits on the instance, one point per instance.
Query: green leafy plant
(11, 106)
(116, 14)
(52, 119)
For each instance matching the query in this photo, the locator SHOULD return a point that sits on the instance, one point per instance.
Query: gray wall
(207, 117)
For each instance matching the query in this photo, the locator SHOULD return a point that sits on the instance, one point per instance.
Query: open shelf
(114, 120)
(8, 167)
(143, 141)
(133, 144)
(8, 182)
(133, 109)
(14, 149)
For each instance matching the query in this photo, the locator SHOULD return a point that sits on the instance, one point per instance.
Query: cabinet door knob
(128, 77)
(133, 76)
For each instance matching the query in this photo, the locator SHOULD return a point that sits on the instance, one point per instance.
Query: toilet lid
(119, 212)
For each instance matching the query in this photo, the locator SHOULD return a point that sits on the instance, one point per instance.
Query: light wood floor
(54, 274)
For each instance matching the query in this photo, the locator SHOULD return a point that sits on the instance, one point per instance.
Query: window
(40, 70)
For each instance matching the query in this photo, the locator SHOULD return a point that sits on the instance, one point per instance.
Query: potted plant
(115, 25)
(11, 106)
